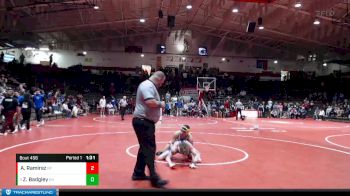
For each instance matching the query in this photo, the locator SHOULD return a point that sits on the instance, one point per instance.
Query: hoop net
(147, 69)
(206, 88)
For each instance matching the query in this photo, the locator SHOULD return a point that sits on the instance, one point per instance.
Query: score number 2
(92, 168)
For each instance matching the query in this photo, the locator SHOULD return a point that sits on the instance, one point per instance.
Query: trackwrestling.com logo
(8, 191)
(32, 192)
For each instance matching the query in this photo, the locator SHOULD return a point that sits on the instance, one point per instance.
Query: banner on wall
(88, 60)
(190, 92)
(170, 66)
(180, 59)
(159, 62)
(262, 64)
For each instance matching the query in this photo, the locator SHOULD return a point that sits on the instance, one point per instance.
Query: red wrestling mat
(250, 154)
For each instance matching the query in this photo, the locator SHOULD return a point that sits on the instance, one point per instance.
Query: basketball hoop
(206, 84)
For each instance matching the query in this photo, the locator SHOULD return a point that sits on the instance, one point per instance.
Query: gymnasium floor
(281, 154)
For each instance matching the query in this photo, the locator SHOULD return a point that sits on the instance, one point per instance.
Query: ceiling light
(180, 47)
(183, 58)
(261, 27)
(29, 48)
(275, 61)
(84, 52)
(223, 59)
(96, 7)
(324, 64)
(142, 55)
(142, 20)
(297, 5)
(9, 45)
(234, 10)
(317, 22)
(189, 7)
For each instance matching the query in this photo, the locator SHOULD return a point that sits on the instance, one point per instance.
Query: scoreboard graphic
(57, 170)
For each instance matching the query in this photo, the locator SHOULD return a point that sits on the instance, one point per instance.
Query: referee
(146, 114)
(239, 107)
(122, 106)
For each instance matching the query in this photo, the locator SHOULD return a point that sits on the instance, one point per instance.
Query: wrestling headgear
(185, 128)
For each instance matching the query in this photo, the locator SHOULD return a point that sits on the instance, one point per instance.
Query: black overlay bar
(56, 157)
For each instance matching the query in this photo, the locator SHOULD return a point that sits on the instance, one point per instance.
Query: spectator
(10, 106)
(39, 107)
(21, 59)
(26, 105)
(102, 104)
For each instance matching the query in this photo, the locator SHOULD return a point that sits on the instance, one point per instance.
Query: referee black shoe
(139, 177)
(157, 182)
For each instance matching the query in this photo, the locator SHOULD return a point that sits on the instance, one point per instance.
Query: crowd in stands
(18, 100)
(178, 106)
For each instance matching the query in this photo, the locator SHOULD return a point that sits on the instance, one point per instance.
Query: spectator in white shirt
(321, 114)
(66, 110)
(102, 104)
(110, 108)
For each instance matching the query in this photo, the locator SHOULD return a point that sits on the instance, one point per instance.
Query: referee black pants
(144, 130)
(239, 110)
(122, 112)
